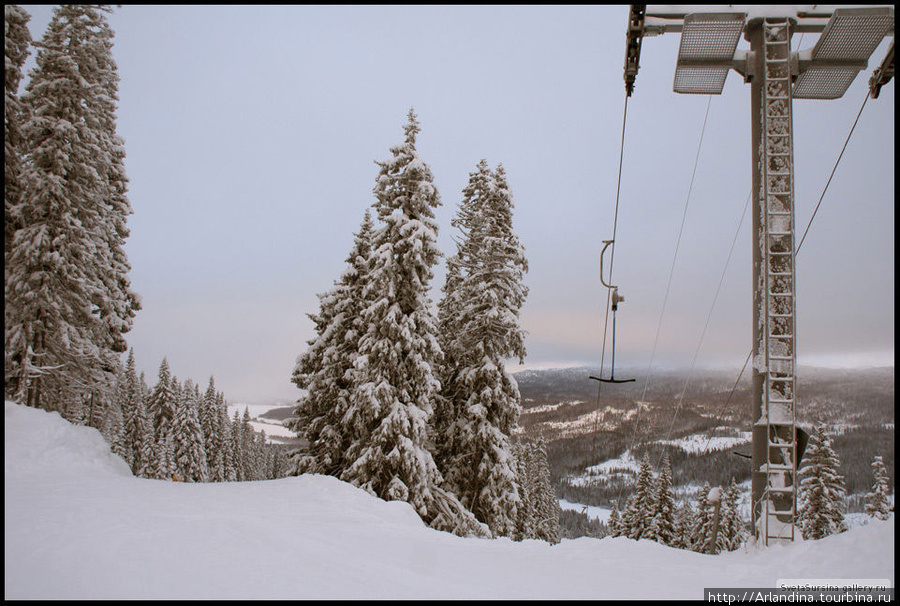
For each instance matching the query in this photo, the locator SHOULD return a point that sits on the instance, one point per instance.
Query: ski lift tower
(708, 50)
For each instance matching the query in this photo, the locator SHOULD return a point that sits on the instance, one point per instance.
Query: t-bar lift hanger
(616, 298)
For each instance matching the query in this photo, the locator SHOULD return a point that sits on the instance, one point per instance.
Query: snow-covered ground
(79, 526)
(626, 462)
(698, 442)
(598, 513)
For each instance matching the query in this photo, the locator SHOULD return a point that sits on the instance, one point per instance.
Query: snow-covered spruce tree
(732, 531)
(68, 296)
(684, 526)
(161, 403)
(262, 455)
(662, 526)
(209, 417)
(525, 472)
(224, 468)
(190, 453)
(641, 503)
(547, 519)
(702, 530)
(246, 443)
(127, 387)
(237, 449)
(138, 435)
(229, 472)
(538, 512)
(821, 500)
(161, 407)
(17, 42)
(615, 522)
(139, 439)
(877, 502)
(326, 369)
(479, 327)
(395, 385)
(113, 426)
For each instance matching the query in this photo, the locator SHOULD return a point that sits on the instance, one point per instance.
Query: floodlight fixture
(708, 43)
(851, 36)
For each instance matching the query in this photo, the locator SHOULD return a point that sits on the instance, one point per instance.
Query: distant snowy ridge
(78, 526)
(698, 442)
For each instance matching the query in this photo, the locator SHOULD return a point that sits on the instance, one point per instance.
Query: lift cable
(611, 260)
(671, 273)
(708, 318)
(832, 173)
(669, 284)
(796, 253)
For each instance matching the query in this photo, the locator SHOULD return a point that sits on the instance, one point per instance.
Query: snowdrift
(79, 526)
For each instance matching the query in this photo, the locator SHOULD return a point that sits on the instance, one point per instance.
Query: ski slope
(79, 526)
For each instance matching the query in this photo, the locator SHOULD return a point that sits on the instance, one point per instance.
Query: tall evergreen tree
(640, 505)
(113, 428)
(685, 523)
(700, 537)
(229, 470)
(732, 532)
(139, 436)
(17, 43)
(210, 420)
(219, 472)
(615, 522)
(237, 448)
(526, 527)
(877, 500)
(538, 512)
(479, 318)
(821, 501)
(161, 403)
(68, 297)
(246, 445)
(391, 404)
(139, 440)
(547, 522)
(662, 526)
(190, 454)
(326, 369)
(127, 388)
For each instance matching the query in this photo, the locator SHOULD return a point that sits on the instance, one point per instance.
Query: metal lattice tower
(777, 76)
(776, 317)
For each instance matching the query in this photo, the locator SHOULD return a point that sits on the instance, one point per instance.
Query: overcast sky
(251, 134)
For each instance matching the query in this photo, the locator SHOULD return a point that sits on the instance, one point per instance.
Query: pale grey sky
(251, 134)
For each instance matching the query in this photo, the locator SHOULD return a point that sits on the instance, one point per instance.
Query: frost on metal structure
(777, 75)
(776, 311)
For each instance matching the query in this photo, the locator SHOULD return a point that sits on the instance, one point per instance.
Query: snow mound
(37, 439)
(78, 527)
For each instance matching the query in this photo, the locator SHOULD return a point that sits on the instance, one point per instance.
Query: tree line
(175, 432)
(715, 523)
(413, 404)
(649, 513)
(68, 296)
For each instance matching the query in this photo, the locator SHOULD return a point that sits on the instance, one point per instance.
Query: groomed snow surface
(79, 526)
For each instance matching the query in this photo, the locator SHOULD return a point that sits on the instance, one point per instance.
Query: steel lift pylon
(777, 76)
